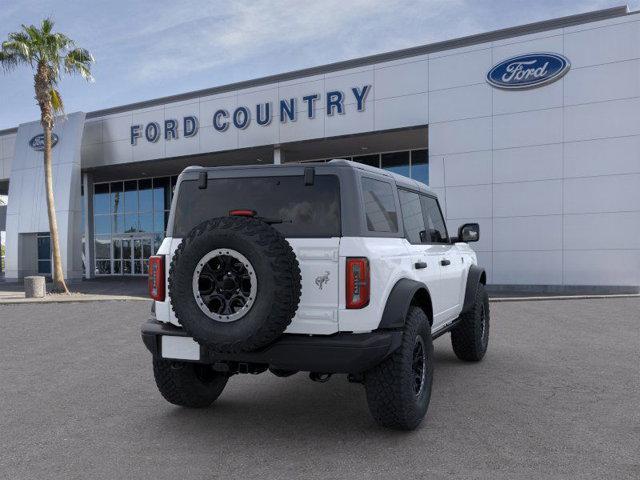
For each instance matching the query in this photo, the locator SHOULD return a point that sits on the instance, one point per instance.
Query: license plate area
(179, 348)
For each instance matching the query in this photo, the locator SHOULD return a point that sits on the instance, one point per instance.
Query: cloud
(242, 31)
(148, 49)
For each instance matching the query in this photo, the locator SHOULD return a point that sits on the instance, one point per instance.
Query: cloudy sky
(148, 49)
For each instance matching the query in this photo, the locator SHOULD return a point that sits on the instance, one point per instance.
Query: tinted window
(305, 211)
(379, 206)
(436, 229)
(414, 229)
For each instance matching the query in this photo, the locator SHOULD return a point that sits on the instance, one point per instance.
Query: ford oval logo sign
(528, 71)
(37, 142)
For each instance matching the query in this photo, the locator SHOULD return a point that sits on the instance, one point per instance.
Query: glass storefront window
(146, 222)
(44, 266)
(396, 162)
(420, 166)
(413, 164)
(145, 195)
(118, 223)
(371, 160)
(131, 196)
(44, 246)
(103, 267)
(44, 252)
(131, 223)
(102, 225)
(116, 197)
(158, 222)
(101, 199)
(102, 247)
(161, 189)
(128, 213)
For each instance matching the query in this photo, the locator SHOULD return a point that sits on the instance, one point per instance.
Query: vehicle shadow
(285, 408)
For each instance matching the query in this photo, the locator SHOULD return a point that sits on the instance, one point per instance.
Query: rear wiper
(271, 221)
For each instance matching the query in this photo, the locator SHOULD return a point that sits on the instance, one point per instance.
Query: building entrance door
(130, 253)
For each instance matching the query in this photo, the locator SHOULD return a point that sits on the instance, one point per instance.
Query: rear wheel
(187, 384)
(399, 389)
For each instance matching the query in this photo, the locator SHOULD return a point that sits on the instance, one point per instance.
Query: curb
(562, 297)
(72, 299)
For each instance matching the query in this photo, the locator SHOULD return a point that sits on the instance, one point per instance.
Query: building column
(278, 155)
(87, 186)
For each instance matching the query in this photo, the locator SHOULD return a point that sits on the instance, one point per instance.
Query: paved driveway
(557, 396)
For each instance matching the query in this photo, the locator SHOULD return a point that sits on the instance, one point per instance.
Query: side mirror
(469, 232)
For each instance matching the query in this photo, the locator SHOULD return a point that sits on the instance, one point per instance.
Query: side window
(379, 206)
(436, 228)
(414, 227)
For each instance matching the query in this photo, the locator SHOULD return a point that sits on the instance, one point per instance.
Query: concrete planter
(34, 287)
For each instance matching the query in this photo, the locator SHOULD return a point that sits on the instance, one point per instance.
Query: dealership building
(532, 131)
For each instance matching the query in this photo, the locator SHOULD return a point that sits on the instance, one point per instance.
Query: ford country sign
(37, 142)
(528, 71)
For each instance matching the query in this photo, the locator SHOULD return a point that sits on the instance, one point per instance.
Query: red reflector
(358, 286)
(242, 213)
(156, 277)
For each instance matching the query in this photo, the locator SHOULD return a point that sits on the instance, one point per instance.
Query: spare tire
(234, 284)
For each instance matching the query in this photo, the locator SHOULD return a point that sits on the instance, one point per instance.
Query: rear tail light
(358, 286)
(156, 277)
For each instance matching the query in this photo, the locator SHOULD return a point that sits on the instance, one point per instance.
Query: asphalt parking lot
(557, 396)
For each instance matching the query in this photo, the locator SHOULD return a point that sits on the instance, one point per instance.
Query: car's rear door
(425, 257)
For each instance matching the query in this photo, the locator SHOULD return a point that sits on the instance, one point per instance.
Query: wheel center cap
(229, 284)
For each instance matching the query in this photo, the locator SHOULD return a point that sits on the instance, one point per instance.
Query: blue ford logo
(37, 142)
(528, 71)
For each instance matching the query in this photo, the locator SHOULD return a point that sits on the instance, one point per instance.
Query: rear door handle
(420, 265)
(445, 262)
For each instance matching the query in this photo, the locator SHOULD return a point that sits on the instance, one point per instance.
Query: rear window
(305, 210)
(379, 206)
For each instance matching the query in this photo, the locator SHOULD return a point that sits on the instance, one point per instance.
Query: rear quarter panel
(389, 261)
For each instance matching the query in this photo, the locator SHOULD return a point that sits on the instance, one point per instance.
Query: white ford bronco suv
(325, 268)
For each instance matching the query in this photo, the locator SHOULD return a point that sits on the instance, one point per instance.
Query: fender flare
(476, 276)
(399, 301)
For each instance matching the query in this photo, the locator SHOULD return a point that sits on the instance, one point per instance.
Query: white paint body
(322, 311)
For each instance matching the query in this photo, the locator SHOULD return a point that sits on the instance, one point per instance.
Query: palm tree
(47, 53)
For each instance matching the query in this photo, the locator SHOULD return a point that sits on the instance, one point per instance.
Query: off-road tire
(190, 385)
(470, 338)
(389, 386)
(278, 282)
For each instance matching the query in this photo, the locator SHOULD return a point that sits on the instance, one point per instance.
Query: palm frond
(35, 35)
(56, 101)
(19, 44)
(79, 60)
(8, 60)
(47, 25)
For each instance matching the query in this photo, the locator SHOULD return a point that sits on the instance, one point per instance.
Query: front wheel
(470, 338)
(187, 384)
(399, 389)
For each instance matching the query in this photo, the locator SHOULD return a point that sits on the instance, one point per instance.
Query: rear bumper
(339, 353)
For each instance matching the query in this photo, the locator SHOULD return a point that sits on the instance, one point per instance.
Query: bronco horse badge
(322, 279)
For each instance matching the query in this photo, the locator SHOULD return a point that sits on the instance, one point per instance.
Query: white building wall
(27, 204)
(7, 151)
(552, 174)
